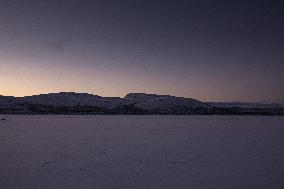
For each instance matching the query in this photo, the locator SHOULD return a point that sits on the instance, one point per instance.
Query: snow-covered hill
(133, 103)
(71, 99)
(162, 102)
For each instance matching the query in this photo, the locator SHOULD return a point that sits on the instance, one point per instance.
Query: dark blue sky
(209, 50)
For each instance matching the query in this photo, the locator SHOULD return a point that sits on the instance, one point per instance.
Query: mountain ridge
(132, 103)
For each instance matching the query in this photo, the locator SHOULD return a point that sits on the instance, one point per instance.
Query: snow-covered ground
(224, 152)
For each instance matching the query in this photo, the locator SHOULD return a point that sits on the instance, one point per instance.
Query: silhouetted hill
(133, 103)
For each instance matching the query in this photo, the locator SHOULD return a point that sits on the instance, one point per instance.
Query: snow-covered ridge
(154, 101)
(70, 99)
(142, 100)
(132, 103)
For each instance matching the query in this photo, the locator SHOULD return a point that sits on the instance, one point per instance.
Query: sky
(208, 50)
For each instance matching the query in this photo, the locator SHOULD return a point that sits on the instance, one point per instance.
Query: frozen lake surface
(222, 152)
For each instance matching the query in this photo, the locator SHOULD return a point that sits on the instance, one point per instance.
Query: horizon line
(243, 102)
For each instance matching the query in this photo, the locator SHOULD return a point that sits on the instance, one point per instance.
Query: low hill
(133, 103)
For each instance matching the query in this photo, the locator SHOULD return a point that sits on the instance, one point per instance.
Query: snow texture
(151, 152)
